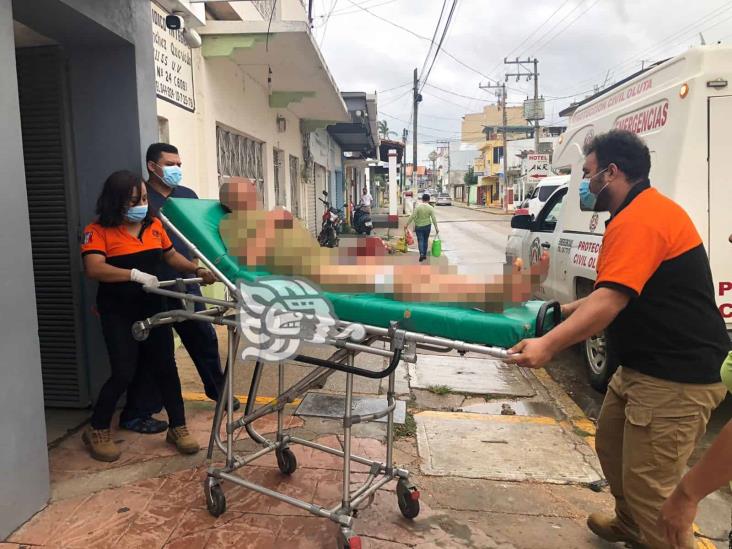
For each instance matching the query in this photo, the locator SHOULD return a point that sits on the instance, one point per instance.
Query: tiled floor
(170, 511)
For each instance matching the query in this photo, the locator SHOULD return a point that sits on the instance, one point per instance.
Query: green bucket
(436, 247)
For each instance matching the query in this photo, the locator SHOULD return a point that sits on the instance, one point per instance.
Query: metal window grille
(295, 186)
(240, 156)
(279, 158)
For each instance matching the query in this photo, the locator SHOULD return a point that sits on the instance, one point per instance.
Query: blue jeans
(423, 237)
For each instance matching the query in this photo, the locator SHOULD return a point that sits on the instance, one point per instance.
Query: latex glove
(146, 279)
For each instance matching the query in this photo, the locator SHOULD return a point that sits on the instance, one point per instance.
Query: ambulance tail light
(683, 90)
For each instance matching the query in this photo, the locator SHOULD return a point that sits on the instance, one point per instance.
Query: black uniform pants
(127, 357)
(201, 343)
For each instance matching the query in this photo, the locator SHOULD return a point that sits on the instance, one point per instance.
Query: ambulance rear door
(720, 201)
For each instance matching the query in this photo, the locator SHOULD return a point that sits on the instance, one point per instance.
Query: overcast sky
(579, 44)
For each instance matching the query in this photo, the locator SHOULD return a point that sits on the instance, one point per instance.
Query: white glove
(147, 280)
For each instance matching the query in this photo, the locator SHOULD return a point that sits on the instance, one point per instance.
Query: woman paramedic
(122, 250)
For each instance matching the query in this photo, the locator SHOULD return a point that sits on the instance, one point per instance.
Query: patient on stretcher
(275, 241)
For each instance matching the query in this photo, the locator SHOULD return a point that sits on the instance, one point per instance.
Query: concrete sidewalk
(486, 209)
(502, 458)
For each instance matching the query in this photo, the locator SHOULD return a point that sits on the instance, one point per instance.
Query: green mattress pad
(198, 220)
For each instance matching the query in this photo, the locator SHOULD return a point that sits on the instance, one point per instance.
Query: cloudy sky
(579, 43)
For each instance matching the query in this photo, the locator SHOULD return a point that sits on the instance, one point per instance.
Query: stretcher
(391, 329)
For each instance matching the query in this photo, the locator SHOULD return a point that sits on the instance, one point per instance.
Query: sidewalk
(487, 209)
(502, 458)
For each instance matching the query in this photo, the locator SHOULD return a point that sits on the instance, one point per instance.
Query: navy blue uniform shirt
(155, 201)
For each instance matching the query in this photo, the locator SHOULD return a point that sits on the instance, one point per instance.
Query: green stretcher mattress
(198, 220)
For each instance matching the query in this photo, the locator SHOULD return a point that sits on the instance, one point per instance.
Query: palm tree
(384, 130)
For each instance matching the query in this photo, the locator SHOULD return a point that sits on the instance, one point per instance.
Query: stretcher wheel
(349, 540)
(286, 461)
(140, 331)
(215, 498)
(407, 498)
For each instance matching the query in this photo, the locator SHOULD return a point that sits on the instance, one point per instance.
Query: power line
(439, 45)
(421, 37)
(459, 94)
(545, 34)
(685, 30)
(532, 33)
(558, 33)
(327, 20)
(395, 87)
(434, 35)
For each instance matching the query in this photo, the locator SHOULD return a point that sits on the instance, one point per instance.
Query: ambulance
(682, 108)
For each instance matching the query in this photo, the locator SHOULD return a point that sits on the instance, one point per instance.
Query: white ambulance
(682, 108)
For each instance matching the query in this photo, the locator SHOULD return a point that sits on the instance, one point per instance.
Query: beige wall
(229, 96)
(472, 125)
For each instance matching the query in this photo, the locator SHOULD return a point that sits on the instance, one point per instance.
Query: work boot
(100, 444)
(182, 439)
(611, 529)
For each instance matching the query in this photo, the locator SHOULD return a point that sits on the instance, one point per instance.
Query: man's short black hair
(115, 196)
(426, 197)
(156, 150)
(624, 149)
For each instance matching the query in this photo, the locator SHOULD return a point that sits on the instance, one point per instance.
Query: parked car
(443, 199)
(535, 202)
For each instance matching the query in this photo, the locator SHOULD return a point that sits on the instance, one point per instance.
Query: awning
(288, 64)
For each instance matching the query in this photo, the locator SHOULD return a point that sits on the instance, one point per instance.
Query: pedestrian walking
(423, 218)
(366, 200)
(655, 297)
(164, 181)
(123, 250)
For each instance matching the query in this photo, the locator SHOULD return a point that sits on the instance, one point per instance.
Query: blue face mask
(172, 175)
(588, 199)
(135, 214)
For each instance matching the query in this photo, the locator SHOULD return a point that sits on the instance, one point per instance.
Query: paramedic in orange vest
(655, 296)
(123, 250)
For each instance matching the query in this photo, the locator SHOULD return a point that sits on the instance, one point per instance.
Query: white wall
(228, 95)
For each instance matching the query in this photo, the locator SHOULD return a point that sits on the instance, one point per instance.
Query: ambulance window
(549, 216)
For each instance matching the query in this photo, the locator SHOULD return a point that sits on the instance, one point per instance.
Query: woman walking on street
(123, 250)
(423, 218)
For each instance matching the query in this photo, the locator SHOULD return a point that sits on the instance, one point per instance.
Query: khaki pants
(646, 432)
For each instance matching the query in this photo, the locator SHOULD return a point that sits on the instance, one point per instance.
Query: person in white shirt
(366, 199)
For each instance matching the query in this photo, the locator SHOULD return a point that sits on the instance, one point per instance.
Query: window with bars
(240, 156)
(279, 184)
(295, 186)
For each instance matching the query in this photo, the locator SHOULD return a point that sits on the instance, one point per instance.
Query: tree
(384, 130)
(470, 178)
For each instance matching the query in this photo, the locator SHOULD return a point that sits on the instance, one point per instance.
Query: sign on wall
(173, 63)
(537, 166)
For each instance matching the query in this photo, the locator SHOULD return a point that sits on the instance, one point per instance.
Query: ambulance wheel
(215, 499)
(286, 461)
(601, 361)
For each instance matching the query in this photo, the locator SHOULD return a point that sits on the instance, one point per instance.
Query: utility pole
(535, 111)
(416, 98)
(502, 104)
(403, 174)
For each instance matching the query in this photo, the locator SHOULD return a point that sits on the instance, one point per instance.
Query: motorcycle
(330, 224)
(362, 223)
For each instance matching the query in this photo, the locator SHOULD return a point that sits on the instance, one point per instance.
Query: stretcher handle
(549, 306)
(167, 283)
(394, 362)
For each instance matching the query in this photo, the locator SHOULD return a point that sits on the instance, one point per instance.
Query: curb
(483, 209)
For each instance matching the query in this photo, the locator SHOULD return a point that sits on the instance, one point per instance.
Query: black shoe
(236, 403)
(422, 258)
(145, 425)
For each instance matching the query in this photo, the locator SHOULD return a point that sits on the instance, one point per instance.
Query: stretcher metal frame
(402, 345)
